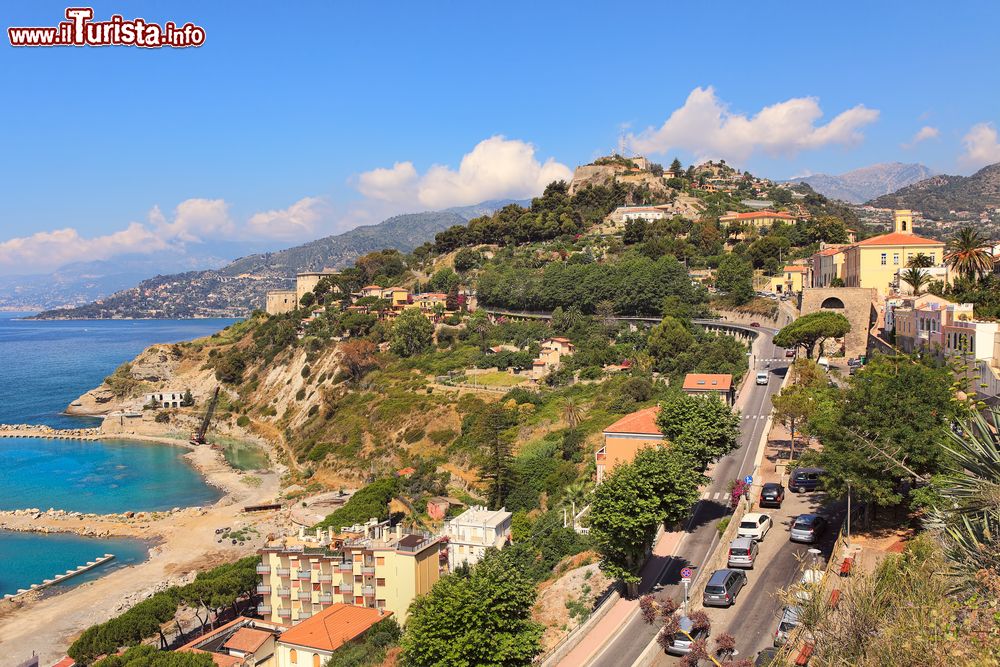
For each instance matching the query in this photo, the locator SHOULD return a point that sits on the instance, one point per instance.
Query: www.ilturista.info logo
(81, 30)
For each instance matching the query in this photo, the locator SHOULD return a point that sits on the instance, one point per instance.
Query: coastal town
(550, 335)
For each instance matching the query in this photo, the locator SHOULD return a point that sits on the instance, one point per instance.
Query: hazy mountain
(935, 197)
(239, 287)
(866, 183)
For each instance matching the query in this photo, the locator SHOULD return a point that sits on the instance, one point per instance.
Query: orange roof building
(314, 640)
(875, 262)
(624, 439)
(720, 384)
(758, 219)
(240, 643)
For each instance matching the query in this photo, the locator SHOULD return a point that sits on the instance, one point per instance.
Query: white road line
(706, 495)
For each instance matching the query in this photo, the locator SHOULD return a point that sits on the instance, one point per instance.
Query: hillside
(937, 196)
(861, 185)
(238, 288)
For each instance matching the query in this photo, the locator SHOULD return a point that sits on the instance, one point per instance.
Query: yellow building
(873, 263)
(758, 219)
(791, 280)
(624, 439)
(371, 566)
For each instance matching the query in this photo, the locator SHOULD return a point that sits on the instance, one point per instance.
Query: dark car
(806, 479)
(723, 588)
(790, 353)
(807, 528)
(766, 658)
(772, 495)
(755, 324)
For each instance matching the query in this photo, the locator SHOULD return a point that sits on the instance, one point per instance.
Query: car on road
(723, 587)
(807, 528)
(766, 658)
(754, 525)
(806, 479)
(680, 643)
(789, 621)
(772, 494)
(755, 324)
(790, 352)
(762, 377)
(742, 552)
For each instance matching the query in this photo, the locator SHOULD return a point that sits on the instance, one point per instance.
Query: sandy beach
(185, 542)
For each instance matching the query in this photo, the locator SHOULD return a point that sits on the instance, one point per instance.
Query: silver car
(742, 552)
(680, 643)
(789, 621)
(723, 588)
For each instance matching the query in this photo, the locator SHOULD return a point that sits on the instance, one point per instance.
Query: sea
(44, 365)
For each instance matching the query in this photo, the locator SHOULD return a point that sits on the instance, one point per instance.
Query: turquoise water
(100, 477)
(43, 367)
(29, 558)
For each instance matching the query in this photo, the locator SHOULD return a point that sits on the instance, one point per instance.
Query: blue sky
(265, 134)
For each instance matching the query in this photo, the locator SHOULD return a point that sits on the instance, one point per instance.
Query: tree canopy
(702, 427)
(811, 330)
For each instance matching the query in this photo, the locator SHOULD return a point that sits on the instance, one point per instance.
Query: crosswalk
(755, 416)
(719, 495)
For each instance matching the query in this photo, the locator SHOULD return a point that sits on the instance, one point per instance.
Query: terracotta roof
(795, 269)
(831, 251)
(898, 238)
(558, 339)
(247, 640)
(372, 287)
(65, 662)
(333, 627)
(641, 421)
(708, 381)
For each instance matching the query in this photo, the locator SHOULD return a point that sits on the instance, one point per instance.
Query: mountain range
(237, 288)
(937, 196)
(860, 185)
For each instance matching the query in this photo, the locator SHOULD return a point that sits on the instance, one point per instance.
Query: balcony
(264, 609)
(303, 615)
(284, 613)
(264, 590)
(305, 575)
(368, 570)
(369, 591)
(284, 593)
(283, 572)
(345, 567)
(347, 588)
(305, 595)
(325, 578)
(263, 569)
(325, 598)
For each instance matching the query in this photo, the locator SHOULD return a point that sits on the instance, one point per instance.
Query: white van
(824, 363)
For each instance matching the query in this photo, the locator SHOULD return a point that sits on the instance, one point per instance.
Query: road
(701, 537)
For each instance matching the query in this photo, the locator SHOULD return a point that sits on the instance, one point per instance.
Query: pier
(69, 574)
(42, 431)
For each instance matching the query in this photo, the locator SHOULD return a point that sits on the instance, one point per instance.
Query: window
(380, 581)
(293, 657)
(359, 600)
(380, 560)
(883, 259)
(895, 258)
(316, 660)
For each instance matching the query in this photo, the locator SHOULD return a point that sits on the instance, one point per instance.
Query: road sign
(748, 479)
(686, 573)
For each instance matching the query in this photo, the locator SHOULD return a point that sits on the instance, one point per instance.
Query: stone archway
(832, 302)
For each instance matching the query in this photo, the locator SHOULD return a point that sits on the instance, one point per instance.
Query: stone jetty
(43, 431)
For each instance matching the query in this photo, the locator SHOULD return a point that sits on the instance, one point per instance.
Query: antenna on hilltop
(621, 143)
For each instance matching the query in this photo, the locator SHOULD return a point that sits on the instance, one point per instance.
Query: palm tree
(968, 253)
(915, 278)
(921, 261)
(572, 412)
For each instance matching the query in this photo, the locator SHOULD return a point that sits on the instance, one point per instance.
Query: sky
(298, 120)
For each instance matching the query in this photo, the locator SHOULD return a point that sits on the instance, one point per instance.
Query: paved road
(701, 536)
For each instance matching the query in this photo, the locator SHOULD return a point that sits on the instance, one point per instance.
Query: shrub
(243, 421)
(162, 417)
(368, 502)
(413, 434)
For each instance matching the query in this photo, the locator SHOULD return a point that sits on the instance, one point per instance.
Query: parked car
(809, 584)
(742, 553)
(772, 495)
(807, 528)
(790, 352)
(806, 479)
(789, 621)
(723, 588)
(766, 658)
(762, 377)
(680, 643)
(754, 525)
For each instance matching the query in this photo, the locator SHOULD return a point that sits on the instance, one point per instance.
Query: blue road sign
(748, 479)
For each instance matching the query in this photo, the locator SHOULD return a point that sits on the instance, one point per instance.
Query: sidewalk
(622, 610)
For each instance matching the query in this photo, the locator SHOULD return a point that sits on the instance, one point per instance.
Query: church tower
(902, 221)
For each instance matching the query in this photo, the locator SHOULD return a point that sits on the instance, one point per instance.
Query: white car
(754, 526)
(762, 378)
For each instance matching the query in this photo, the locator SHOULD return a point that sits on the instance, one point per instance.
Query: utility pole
(848, 514)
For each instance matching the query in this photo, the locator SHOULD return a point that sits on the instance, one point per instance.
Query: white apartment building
(474, 531)
(164, 399)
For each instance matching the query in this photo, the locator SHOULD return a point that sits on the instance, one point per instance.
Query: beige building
(711, 384)
(624, 439)
(874, 262)
(307, 281)
(370, 565)
(280, 301)
(828, 265)
(758, 219)
(474, 531)
(792, 279)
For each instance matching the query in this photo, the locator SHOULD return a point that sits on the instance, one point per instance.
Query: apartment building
(474, 531)
(624, 439)
(370, 565)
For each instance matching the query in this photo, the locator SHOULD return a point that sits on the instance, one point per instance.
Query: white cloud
(298, 221)
(981, 146)
(706, 127)
(195, 220)
(44, 251)
(923, 134)
(496, 168)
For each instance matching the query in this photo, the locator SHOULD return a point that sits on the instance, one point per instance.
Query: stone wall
(854, 303)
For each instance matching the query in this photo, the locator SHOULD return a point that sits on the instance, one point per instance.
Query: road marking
(706, 495)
